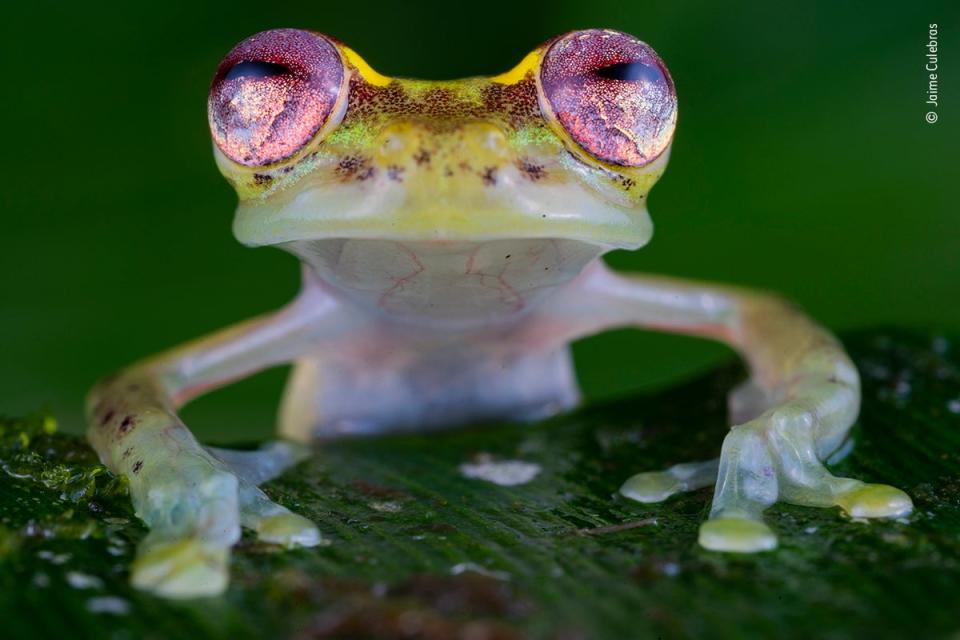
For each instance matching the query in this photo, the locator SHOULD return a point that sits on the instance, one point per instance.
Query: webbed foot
(771, 458)
(195, 505)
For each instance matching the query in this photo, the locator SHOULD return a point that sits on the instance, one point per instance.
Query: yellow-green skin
(451, 234)
(463, 159)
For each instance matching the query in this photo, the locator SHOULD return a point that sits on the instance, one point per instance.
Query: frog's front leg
(193, 499)
(802, 397)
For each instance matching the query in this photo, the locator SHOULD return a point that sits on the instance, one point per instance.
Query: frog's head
(566, 145)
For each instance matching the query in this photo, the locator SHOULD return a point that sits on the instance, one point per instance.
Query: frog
(451, 236)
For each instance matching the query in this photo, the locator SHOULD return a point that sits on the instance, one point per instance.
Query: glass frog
(450, 235)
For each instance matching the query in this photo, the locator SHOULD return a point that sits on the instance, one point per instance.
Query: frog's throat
(316, 215)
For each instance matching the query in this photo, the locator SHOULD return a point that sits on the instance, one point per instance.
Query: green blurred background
(802, 163)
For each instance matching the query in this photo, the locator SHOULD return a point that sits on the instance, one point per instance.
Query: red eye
(612, 94)
(272, 93)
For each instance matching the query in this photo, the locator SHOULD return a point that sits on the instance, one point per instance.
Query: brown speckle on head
(262, 179)
(127, 452)
(489, 176)
(137, 466)
(350, 166)
(531, 170)
(107, 417)
(395, 173)
(422, 157)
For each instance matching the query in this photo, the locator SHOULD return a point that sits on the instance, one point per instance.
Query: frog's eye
(272, 94)
(612, 94)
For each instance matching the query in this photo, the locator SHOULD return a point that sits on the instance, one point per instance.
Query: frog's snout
(408, 149)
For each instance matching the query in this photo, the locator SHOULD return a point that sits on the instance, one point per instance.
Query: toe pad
(875, 501)
(649, 487)
(737, 535)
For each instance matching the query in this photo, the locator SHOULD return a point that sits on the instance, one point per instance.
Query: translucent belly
(332, 396)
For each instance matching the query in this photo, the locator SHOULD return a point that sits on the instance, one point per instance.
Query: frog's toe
(651, 486)
(288, 530)
(657, 486)
(188, 568)
(737, 535)
(875, 501)
(274, 523)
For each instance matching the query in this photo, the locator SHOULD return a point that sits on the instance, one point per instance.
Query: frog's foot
(192, 509)
(657, 486)
(195, 506)
(774, 457)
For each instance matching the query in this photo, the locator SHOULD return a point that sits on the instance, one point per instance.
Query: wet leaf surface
(419, 550)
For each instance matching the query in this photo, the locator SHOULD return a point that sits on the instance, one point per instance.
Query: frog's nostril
(496, 141)
(481, 138)
(392, 143)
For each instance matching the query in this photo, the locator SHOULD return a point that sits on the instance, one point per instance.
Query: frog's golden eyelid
(365, 70)
(530, 63)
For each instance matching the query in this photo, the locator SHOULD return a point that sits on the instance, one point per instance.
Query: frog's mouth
(515, 208)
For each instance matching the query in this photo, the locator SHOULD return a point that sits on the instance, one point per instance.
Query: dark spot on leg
(506, 257)
(107, 417)
(126, 424)
(127, 452)
(366, 174)
(262, 179)
(137, 466)
(489, 176)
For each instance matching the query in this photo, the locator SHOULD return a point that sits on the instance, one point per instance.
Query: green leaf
(419, 550)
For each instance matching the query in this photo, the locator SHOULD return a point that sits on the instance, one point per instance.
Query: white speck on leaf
(463, 567)
(54, 558)
(387, 507)
(108, 604)
(79, 580)
(953, 406)
(506, 473)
